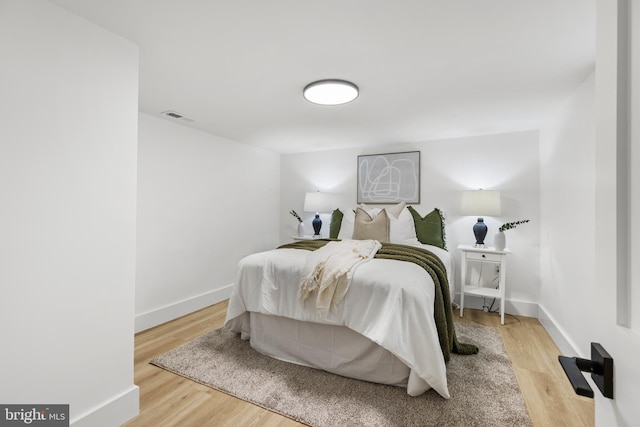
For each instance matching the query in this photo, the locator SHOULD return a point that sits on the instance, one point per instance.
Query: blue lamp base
(480, 231)
(317, 225)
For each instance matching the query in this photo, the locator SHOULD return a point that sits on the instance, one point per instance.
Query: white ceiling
(426, 69)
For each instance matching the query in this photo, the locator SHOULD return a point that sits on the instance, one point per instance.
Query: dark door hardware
(600, 366)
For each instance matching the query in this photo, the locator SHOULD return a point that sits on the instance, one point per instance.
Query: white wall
(567, 182)
(68, 115)
(203, 203)
(506, 162)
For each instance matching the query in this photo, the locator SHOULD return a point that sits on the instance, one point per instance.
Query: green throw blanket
(433, 265)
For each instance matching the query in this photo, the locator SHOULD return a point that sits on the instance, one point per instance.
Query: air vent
(176, 115)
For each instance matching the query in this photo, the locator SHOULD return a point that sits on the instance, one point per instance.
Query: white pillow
(401, 229)
(373, 212)
(348, 220)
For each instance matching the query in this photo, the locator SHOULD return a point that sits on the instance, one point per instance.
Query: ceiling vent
(176, 115)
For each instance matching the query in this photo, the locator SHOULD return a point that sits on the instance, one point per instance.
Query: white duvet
(390, 302)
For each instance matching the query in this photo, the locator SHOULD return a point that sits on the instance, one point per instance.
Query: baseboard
(180, 308)
(529, 309)
(520, 308)
(113, 412)
(517, 308)
(557, 334)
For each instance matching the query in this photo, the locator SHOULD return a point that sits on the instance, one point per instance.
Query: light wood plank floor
(170, 400)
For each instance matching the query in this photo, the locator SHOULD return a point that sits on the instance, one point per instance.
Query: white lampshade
(317, 202)
(481, 202)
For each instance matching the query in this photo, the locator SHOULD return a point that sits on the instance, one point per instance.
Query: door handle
(600, 366)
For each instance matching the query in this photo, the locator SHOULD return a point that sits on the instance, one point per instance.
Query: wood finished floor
(170, 400)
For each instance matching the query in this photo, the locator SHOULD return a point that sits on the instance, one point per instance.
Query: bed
(385, 329)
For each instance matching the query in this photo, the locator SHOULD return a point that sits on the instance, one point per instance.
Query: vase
(500, 241)
(300, 229)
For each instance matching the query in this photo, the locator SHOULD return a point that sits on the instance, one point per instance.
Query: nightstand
(483, 255)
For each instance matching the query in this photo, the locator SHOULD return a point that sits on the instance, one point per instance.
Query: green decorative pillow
(336, 222)
(430, 229)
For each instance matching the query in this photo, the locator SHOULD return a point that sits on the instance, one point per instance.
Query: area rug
(483, 387)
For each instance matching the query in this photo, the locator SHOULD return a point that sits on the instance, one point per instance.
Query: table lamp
(317, 202)
(480, 203)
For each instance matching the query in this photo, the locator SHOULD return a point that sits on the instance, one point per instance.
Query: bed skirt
(335, 349)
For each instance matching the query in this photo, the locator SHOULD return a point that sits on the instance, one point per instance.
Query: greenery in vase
(292, 212)
(510, 225)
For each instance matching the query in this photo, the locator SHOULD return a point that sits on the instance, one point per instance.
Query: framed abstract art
(389, 178)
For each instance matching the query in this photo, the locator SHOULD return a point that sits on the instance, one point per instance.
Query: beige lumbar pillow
(367, 227)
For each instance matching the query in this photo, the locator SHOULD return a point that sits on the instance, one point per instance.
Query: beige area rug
(483, 388)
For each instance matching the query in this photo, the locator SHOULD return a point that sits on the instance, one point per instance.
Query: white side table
(488, 255)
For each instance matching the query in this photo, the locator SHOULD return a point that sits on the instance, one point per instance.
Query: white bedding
(389, 302)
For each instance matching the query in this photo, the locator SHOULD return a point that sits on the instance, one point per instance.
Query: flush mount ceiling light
(330, 92)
